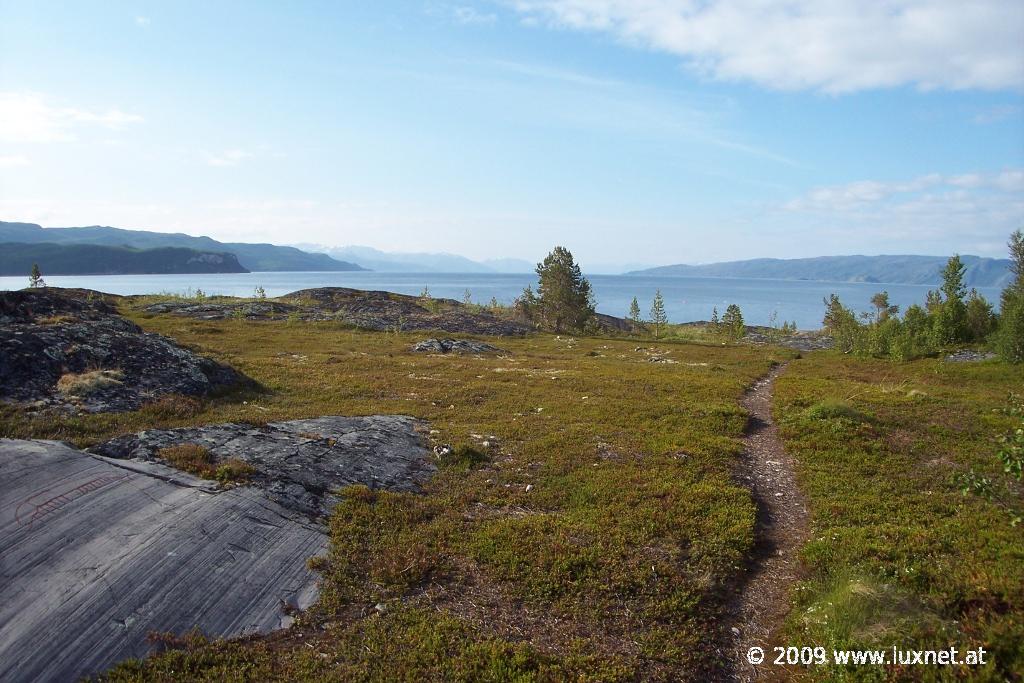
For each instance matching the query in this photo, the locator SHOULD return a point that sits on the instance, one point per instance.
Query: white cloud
(142, 21)
(28, 117)
(835, 46)
(10, 161)
(926, 214)
(864, 193)
(467, 15)
(230, 157)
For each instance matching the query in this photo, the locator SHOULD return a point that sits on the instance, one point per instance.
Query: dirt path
(762, 600)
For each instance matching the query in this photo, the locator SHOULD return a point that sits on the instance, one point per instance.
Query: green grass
(592, 538)
(899, 555)
(597, 533)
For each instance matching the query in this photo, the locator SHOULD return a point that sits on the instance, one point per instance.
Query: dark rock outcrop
(66, 349)
(454, 346)
(300, 464)
(373, 310)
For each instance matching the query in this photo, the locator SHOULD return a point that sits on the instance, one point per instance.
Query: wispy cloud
(229, 157)
(929, 213)
(467, 15)
(865, 193)
(11, 161)
(582, 100)
(999, 113)
(554, 74)
(29, 117)
(837, 46)
(142, 21)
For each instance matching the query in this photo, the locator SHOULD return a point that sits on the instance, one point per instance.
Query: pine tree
(1009, 337)
(35, 279)
(658, 317)
(732, 321)
(634, 313)
(564, 297)
(883, 310)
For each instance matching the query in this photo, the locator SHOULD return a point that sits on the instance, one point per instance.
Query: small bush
(463, 458)
(832, 410)
(197, 460)
(87, 383)
(233, 470)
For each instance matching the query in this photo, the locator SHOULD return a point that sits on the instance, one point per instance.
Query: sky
(640, 132)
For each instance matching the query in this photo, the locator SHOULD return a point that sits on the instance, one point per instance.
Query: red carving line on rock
(46, 502)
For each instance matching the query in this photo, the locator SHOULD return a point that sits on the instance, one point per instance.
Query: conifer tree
(732, 321)
(658, 317)
(634, 313)
(564, 299)
(1009, 337)
(35, 279)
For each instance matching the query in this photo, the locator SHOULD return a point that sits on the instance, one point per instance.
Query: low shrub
(831, 410)
(197, 460)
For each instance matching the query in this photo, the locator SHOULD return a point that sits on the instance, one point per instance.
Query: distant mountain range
(16, 258)
(61, 251)
(918, 270)
(419, 262)
(253, 257)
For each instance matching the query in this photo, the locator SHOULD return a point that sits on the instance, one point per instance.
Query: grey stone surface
(47, 333)
(969, 356)
(454, 346)
(94, 556)
(374, 310)
(300, 463)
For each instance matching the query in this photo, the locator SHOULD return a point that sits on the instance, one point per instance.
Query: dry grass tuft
(87, 383)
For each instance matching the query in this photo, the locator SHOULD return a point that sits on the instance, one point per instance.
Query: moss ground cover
(585, 524)
(592, 537)
(899, 554)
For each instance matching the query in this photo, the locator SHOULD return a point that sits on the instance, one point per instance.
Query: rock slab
(300, 464)
(94, 556)
(372, 310)
(454, 346)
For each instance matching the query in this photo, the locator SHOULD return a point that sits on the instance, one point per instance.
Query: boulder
(454, 346)
(59, 350)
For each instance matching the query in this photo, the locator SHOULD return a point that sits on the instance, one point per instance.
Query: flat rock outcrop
(454, 346)
(373, 310)
(969, 356)
(72, 350)
(96, 552)
(799, 341)
(301, 463)
(95, 556)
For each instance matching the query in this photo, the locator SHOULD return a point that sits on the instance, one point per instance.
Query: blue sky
(642, 132)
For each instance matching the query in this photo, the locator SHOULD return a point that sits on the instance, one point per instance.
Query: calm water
(685, 298)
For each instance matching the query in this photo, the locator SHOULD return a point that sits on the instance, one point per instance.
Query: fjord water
(686, 299)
